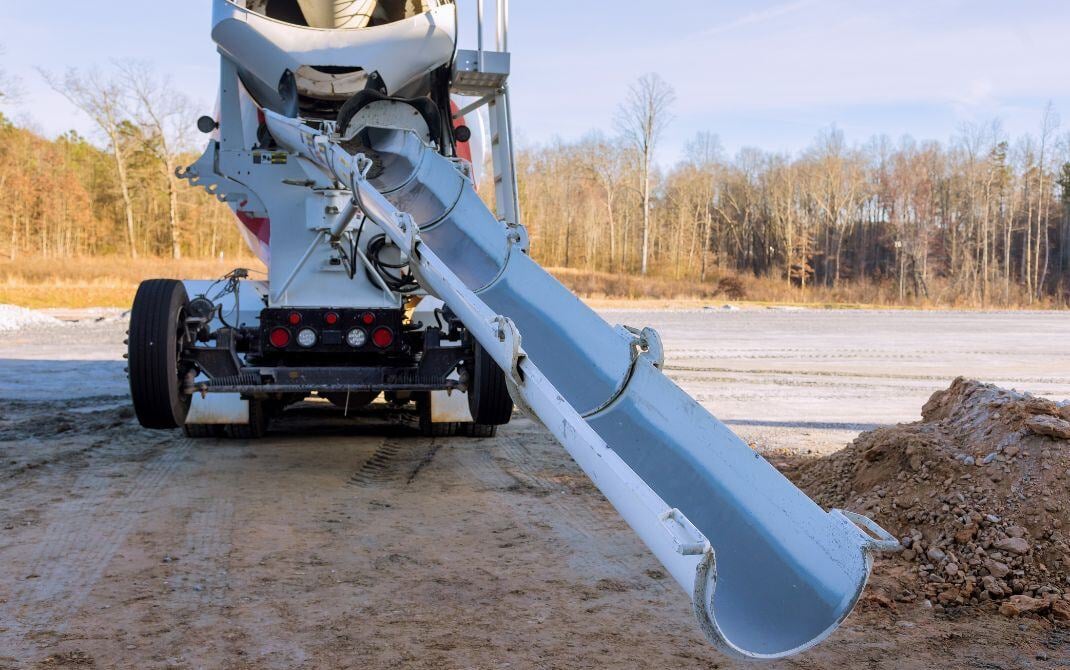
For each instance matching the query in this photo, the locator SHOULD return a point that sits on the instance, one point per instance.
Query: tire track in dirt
(83, 537)
(200, 574)
(582, 516)
(396, 461)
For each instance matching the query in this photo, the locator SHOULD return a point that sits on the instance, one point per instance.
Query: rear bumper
(434, 372)
(328, 380)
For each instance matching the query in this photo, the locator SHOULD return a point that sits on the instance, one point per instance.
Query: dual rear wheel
(488, 401)
(158, 333)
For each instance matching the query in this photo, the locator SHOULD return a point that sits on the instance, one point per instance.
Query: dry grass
(98, 281)
(112, 281)
(601, 289)
(600, 285)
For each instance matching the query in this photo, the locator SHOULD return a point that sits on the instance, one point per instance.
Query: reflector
(383, 337)
(280, 338)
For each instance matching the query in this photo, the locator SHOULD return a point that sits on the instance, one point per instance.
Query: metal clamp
(884, 541)
(689, 540)
(649, 343)
(507, 332)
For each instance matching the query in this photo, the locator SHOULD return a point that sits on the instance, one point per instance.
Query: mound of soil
(978, 491)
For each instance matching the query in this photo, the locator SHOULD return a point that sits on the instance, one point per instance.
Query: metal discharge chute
(341, 122)
(770, 573)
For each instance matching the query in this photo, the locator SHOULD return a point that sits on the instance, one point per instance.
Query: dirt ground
(337, 543)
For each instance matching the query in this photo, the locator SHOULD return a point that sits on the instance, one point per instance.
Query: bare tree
(10, 89)
(642, 120)
(605, 162)
(105, 102)
(1048, 126)
(166, 115)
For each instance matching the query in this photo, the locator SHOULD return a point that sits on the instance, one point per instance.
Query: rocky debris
(1015, 545)
(978, 492)
(1018, 605)
(1049, 425)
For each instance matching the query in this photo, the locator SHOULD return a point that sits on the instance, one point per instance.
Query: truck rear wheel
(157, 336)
(429, 428)
(479, 430)
(488, 394)
(199, 431)
(259, 418)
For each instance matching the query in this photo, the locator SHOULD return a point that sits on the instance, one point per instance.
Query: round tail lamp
(382, 337)
(279, 338)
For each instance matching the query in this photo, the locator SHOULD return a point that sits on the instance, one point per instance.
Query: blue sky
(769, 74)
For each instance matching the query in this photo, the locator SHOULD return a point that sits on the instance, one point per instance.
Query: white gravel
(13, 317)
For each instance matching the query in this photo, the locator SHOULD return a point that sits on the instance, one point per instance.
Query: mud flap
(218, 409)
(450, 406)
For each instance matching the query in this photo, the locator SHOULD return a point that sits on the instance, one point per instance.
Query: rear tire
(157, 335)
(257, 427)
(199, 431)
(488, 394)
(480, 430)
(429, 428)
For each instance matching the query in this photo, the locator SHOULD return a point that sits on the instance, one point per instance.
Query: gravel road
(338, 543)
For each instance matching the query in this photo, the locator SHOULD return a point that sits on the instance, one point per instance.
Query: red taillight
(368, 318)
(279, 338)
(330, 318)
(383, 337)
(294, 319)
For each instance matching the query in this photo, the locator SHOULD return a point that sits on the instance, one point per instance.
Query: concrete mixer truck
(347, 141)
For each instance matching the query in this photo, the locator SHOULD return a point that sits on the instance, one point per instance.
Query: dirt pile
(978, 491)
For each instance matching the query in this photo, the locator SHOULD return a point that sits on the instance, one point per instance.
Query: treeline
(981, 220)
(72, 197)
(61, 199)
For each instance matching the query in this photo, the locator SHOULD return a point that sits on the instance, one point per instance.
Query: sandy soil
(338, 543)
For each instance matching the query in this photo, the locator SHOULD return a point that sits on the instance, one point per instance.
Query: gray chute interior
(785, 575)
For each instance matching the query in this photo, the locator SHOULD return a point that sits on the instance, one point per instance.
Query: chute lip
(706, 584)
(874, 537)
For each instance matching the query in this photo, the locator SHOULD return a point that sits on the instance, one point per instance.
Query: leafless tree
(605, 163)
(1048, 126)
(642, 119)
(166, 114)
(10, 87)
(105, 102)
